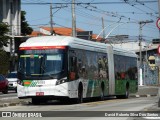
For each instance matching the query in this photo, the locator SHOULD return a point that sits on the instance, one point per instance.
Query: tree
(4, 62)
(25, 29)
(4, 59)
(3, 37)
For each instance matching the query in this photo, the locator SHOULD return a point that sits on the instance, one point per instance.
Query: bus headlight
(63, 80)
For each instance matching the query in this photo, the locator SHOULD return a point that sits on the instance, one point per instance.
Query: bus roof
(74, 43)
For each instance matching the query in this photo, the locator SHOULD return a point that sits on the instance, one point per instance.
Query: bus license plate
(39, 93)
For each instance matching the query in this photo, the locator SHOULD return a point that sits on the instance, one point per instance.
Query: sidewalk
(153, 108)
(146, 91)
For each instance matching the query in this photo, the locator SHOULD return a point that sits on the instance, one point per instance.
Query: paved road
(11, 94)
(12, 99)
(110, 104)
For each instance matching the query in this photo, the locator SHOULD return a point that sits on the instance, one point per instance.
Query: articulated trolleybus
(58, 67)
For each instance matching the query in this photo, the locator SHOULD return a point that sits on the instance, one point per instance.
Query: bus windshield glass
(41, 63)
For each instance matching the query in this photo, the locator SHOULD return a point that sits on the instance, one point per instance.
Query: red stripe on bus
(41, 47)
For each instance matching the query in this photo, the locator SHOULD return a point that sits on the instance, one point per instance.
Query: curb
(8, 104)
(147, 95)
(14, 103)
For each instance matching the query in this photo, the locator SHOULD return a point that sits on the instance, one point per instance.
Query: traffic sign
(158, 23)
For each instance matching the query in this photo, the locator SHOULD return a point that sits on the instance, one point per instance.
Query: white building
(133, 46)
(10, 13)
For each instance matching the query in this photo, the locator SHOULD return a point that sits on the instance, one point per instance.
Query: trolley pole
(103, 28)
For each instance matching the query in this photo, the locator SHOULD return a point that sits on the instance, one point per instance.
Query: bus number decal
(39, 93)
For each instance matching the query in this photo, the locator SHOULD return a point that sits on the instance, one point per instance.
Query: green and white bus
(59, 67)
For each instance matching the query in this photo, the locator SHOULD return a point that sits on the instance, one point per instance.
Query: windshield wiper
(42, 67)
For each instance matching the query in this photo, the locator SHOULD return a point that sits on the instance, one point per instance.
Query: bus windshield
(41, 63)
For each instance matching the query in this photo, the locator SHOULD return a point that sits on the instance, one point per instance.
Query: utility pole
(140, 43)
(51, 17)
(159, 7)
(73, 19)
(51, 20)
(159, 66)
(141, 24)
(159, 13)
(103, 28)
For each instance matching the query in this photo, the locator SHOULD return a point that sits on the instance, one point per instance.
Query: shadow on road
(70, 101)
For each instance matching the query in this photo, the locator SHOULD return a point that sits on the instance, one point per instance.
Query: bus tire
(80, 93)
(126, 95)
(102, 92)
(127, 91)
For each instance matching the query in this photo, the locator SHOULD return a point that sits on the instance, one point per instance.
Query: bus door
(73, 73)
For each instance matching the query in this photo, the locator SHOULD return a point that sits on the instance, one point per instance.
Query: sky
(125, 15)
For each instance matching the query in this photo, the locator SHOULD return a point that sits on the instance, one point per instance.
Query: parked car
(12, 79)
(3, 84)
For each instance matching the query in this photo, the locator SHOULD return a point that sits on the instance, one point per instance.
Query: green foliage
(3, 37)
(4, 62)
(25, 29)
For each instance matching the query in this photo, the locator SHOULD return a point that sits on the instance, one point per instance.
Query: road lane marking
(102, 102)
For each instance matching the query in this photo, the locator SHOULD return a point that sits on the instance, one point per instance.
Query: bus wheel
(126, 94)
(80, 94)
(102, 92)
(127, 91)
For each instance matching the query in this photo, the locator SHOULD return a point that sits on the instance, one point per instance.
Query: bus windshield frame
(42, 64)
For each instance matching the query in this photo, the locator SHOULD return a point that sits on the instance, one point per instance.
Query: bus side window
(73, 68)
